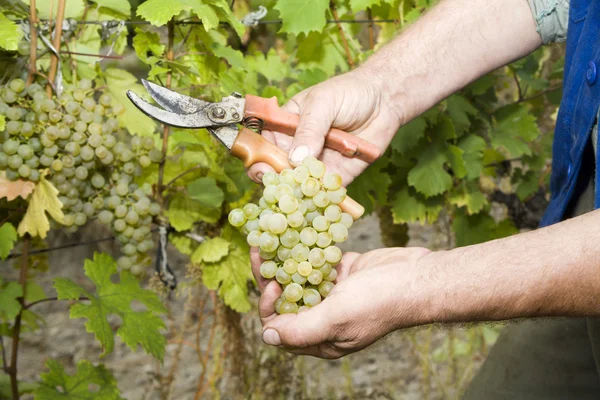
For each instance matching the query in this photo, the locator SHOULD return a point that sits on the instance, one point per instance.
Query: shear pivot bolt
(218, 112)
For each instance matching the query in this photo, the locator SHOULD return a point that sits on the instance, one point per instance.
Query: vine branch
(342, 36)
(197, 167)
(60, 16)
(33, 42)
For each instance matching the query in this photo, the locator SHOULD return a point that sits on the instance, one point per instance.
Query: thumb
(316, 119)
(308, 328)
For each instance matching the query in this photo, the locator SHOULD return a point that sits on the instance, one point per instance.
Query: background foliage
(478, 161)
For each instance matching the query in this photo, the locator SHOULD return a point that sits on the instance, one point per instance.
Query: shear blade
(195, 120)
(174, 101)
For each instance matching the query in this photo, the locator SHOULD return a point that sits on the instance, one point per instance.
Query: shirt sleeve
(551, 19)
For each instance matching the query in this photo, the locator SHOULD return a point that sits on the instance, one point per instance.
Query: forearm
(452, 45)
(554, 271)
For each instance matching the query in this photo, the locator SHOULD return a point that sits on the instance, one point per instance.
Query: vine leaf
(120, 6)
(10, 35)
(159, 12)
(184, 211)
(58, 385)
(479, 228)
(212, 250)
(459, 110)
(409, 135)
(429, 176)
(302, 16)
(147, 42)
(515, 128)
(119, 82)
(13, 189)
(409, 206)
(361, 5)
(230, 275)
(9, 305)
(138, 327)
(48, 8)
(371, 187)
(8, 237)
(206, 192)
(44, 200)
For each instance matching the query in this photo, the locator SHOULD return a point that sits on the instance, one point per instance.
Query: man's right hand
(354, 102)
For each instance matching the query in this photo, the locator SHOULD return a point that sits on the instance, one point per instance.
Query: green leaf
(211, 251)
(119, 82)
(302, 16)
(210, 19)
(479, 228)
(89, 382)
(182, 243)
(10, 36)
(9, 305)
(460, 109)
(120, 6)
(8, 237)
(144, 42)
(137, 327)
(371, 187)
(24, 387)
(429, 176)
(472, 147)
(515, 128)
(48, 8)
(235, 58)
(270, 66)
(2, 122)
(159, 12)
(362, 5)
(231, 274)
(409, 135)
(469, 196)
(183, 212)
(409, 206)
(206, 192)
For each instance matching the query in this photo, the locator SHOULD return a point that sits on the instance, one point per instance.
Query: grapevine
(296, 226)
(75, 142)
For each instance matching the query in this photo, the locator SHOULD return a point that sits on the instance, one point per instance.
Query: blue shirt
(579, 107)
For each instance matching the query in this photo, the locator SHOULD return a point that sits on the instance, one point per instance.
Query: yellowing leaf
(211, 250)
(44, 200)
(13, 189)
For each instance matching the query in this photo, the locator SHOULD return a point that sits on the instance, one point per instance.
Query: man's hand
(375, 294)
(354, 102)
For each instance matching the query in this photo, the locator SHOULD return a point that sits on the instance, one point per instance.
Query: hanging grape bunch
(76, 142)
(296, 225)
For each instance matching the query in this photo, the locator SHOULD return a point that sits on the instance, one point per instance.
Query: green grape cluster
(76, 140)
(296, 225)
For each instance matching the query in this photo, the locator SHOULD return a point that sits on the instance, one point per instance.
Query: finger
(316, 118)
(345, 266)
(302, 330)
(266, 304)
(256, 171)
(255, 262)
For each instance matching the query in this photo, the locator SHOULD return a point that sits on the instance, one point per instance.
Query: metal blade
(174, 101)
(196, 120)
(226, 134)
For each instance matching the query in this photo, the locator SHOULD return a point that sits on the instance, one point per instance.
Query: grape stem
(60, 15)
(12, 368)
(32, 43)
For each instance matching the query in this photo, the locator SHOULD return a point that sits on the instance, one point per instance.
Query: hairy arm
(554, 271)
(452, 45)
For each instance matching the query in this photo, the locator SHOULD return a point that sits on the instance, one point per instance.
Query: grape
(97, 181)
(55, 116)
(266, 255)
(337, 196)
(270, 194)
(316, 169)
(270, 178)
(316, 257)
(325, 287)
(23, 48)
(15, 161)
(321, 200)
(289, 238)
(315, 277)
(47, 106)
(310, 205)
(10, 147)
(277, 223)
(332, 275)
(310, 187)
(154, 209)
(251, 211)
(8, 96)
(124, 262)
(308, 236)
(132, 218)
(119, 225)
(288, 308)
(13, 127)
(333, 213)
(89, 210)
(333, 254)
(17, 85)
(155, 155)
(57, 165)
(290, 266)
(339, 233)
(288, 204)
(74, 149)
(268, 269)
(311, 297)
(81, 173)
(305, 268)
(144, 161)
(25, 151)
(105, 217)
(237, 218)
(297, 278)
(346, 220)
(301, 173)
(300, 252)
(320, 223)
(284, 253)
(3, 160)
(253, 238)
(293, 292)
(282, 277)
(122, 189)
(268, 242)
(295, 219)
(80, 219)
(24, 171)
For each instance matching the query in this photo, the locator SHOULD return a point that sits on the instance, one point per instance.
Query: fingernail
(299, 154)
(259, 176)
(271, 336)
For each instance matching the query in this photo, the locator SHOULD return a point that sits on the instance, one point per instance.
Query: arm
(554, 271)
(453, 44)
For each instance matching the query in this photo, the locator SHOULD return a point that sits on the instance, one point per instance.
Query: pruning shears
(254, 113)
